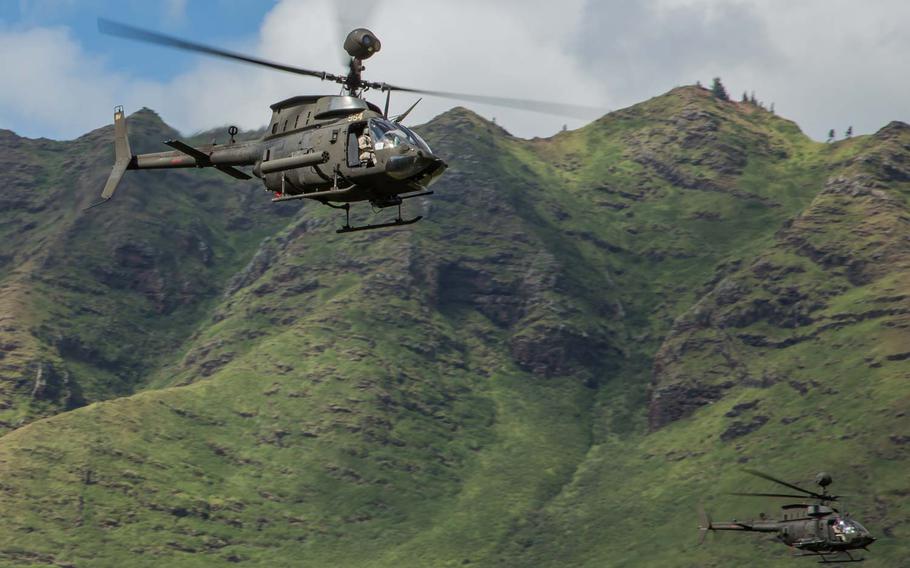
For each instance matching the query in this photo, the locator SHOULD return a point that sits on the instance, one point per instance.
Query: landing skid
(825, 557)
(395, 223)
(398, 222)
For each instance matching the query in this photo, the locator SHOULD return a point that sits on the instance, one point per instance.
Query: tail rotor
(704, 524)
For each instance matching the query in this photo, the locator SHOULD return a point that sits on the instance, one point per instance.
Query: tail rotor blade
(704, 524)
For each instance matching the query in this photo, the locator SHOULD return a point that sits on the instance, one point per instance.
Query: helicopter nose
(411, 164)
(401, 167)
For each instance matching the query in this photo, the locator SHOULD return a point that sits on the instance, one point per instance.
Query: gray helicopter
(810, 529)
(335, 150)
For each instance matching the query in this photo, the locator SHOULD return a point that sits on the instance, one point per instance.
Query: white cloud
(846, 63)
(49, 82)
(825, 63)
(649, 47)
(475, 47)
(490, 48)
(472, 47)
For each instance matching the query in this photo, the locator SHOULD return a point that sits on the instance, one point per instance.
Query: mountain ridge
(481, 388)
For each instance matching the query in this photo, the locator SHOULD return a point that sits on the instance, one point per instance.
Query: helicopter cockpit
(848, 530)
(381, 135)
(403, 154)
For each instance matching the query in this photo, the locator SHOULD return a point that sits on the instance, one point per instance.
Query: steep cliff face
(839, 269)
(91, 300)
(522, 378)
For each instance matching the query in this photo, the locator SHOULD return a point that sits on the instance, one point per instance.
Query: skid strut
(398, 222)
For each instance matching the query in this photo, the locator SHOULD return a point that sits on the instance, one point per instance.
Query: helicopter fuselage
(816, 529)
(329, 149)
(332, 149)
(366, 157)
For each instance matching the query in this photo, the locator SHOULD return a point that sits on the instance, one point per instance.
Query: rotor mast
(360, 44)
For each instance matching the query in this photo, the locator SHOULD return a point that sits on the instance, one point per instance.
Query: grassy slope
(834, 400)
(427, 397)
(97, 297)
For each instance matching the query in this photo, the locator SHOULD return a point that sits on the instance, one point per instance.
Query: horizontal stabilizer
(179, 145)
(203, 159)
(233, 172)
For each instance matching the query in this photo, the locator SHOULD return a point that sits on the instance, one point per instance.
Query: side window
(353, 149)
(360, 146)
(285, 126)
(296, 120)
(274, 128)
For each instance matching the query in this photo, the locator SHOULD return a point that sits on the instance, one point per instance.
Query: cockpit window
(858, 527)
(388, 134)
(849, 529)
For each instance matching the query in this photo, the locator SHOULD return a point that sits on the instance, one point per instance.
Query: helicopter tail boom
(222, 158)
(705, 524)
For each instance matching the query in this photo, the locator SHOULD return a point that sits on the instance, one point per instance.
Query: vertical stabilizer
(122, 153)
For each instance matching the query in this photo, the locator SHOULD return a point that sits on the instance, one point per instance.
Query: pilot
(365, 144)
(839, 531)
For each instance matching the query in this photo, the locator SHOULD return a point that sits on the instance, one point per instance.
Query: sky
(827, 64)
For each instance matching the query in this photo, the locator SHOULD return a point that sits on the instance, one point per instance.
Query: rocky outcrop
(101, 296)
(494, 355)
(854, 235)
(51, 384)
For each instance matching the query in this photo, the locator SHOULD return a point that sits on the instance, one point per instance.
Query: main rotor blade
(544, 107)
(139, 34)
(130, 32)
(784, 483)
(769, 495)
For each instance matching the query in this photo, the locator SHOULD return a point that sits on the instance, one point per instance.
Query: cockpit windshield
(850, 529)
(388, 134)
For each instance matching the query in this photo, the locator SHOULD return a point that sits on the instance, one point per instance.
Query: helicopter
(812, 530)
(332, 149)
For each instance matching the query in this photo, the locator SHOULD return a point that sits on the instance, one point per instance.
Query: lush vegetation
(587, 336)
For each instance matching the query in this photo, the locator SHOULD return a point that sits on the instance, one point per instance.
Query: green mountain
(587, 336)
(92, 302)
